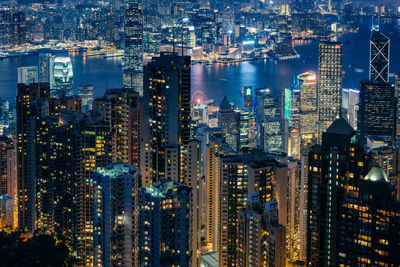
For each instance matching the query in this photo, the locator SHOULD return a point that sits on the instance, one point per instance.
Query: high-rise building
(240, 175)
(216, 146)
(329, 84)
(93, 149)
(165, 225)
(61, 76)
(133, 59)
(116, 215)
(26, 171)
(308, 106)
(6, 144)
(271, 125)
(5, 27)
(262, 240)
(166, 111)
(18, 28)
(333, 168)
(190, 176)
(228, 121)
(377, 112)
(28, 75)
(6, 212)
(350, 101)
(379, 58)
(86, 94)
(114, 108)
(370, 223)
(44, 67)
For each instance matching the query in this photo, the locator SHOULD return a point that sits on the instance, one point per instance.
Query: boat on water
(114, 53)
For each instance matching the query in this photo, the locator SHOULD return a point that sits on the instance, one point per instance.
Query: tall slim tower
(133, 61)
(27, 93)
(379, 56)
(329, 84)
(166, 111)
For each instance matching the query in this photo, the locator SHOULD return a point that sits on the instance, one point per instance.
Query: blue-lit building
(115, 215)
(165, 225)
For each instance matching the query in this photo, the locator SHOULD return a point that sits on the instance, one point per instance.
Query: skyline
(272, 162)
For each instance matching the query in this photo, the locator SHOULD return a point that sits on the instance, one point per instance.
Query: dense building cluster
(154, 174)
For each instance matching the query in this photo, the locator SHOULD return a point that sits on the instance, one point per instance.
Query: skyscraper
(379, 56)
(165, 225)
(26, 171)
(133, 56)
(86, 94)
(370, 223)
(93, 150)
(114, 108)
(116, 215)
(308, 105)
(377, 112)
(28, 75)
(329, 84)
(228, 121)
(261, 240)
(61, 76)
(333, 168)
(271, 125)
(166, 111)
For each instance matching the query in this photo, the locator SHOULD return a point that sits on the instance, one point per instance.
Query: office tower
(333, 168)
(93, 149)
(86, 94)
(294, 106)
(165, 225)
(350, 101)
(370, 223)
(28, 75)
(190, 176)
(294, 144)
(6, 212)
(247, 120)
(262, 240)
(271, 125)
(44, 67)
(377, 112)
(18, 28)
(5, 27)
(116, 215)
(329, 84)
(114, 108)
(61, 76)
(26, 95)
(379, 56)
(133, 37)
(228, 121)
(166, 106)
(308, 106)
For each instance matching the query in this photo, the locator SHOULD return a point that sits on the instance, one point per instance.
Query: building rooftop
(341, 127)
(115, 169)
(377, 174)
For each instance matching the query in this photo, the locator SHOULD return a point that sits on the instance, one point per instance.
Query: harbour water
(216, 81)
